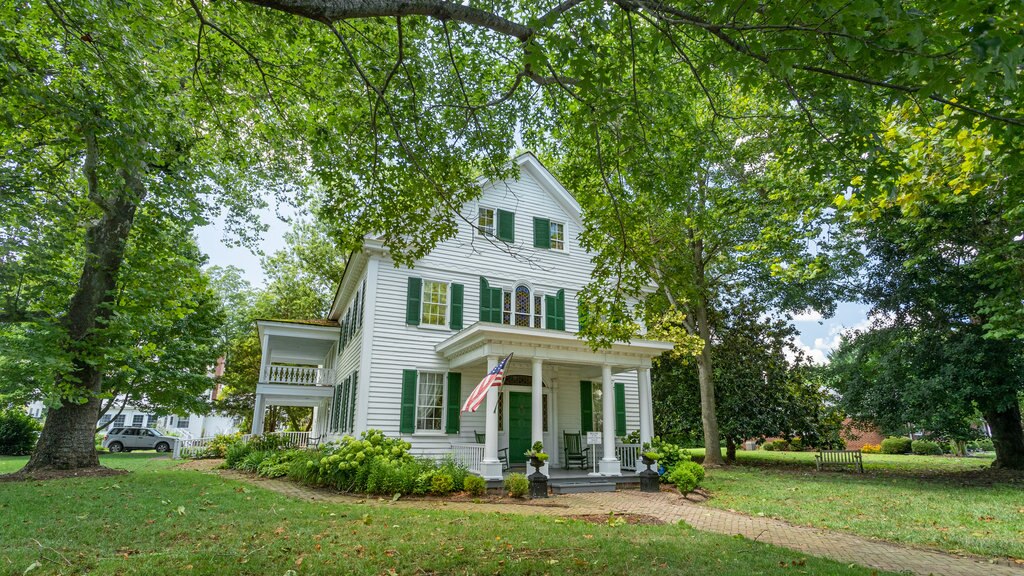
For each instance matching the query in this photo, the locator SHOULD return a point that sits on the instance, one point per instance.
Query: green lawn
(947, 503)
(161, 520)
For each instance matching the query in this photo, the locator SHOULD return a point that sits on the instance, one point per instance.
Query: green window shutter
(560, 310)
(541, 233)
(490, 302)
(620, 409)
(455, 321)
(343, 412)
(496, 305)
(413, 297)
(407, 423)
(485, 300)
(506, 226)
(454, 402)
(586, 407)
(550, 316)
(352, 402)
(335, 409)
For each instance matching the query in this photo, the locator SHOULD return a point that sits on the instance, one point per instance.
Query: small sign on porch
(593, 438)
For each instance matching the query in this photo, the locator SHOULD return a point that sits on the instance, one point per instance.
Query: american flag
(493, 378)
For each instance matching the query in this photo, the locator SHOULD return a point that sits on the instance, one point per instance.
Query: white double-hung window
(557, 236)
(430, 402)
(485, 221)
(435, 303)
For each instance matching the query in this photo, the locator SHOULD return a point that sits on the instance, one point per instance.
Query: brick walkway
(671, 508)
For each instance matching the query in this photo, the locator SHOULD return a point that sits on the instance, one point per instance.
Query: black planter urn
(649, 480)
(538, 481)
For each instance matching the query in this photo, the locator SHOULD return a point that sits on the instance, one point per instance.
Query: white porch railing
(292, 439)
(628, 454)
(194, 447)
(302, 376)
(468, 455)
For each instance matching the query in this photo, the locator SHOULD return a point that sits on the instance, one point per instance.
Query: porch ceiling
(483, 339)
(295, 342)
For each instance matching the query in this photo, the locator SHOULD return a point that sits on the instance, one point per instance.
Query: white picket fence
(195, 447)
(468, 455)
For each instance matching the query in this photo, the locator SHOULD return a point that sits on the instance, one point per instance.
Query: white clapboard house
(403, 347)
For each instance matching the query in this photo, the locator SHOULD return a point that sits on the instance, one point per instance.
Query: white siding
(395, 346)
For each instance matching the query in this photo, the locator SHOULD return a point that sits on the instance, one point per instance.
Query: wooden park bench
(839, 458)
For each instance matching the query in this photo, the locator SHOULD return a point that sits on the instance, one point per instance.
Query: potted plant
(538, 481)
(537, 455)
(650, 457)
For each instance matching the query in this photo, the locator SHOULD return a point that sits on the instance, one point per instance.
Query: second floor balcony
(297, 375)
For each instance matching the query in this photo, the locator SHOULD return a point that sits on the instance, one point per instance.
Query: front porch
(547, 394)
(295, 369)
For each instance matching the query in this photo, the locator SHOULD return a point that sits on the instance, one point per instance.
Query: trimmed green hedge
(896, 446)
(926, 448)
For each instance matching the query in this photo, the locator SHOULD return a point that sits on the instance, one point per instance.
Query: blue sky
(818, 336)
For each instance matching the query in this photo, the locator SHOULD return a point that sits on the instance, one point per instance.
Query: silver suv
(128, 439)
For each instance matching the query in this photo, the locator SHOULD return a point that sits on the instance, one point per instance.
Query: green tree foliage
(397, 108)
(940, 217)
(109, 161)
(18, 432)
(301, 280)
(906, 379)
(760, 391)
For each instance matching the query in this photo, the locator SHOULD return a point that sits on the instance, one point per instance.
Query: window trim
(565, 234)
(445, 325)
(478, 230)
(440, 431)
(535, 314)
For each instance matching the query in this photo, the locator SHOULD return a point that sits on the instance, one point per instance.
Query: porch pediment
(482, 339)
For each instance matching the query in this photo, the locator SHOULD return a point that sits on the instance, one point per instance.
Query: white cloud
(814, 353)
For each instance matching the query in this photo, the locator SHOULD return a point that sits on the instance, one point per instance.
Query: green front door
(518, 425)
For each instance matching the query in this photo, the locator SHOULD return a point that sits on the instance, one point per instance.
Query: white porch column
(609, 465)
(537, 408)
(490, 467)
(264, 361)
(646, 419)
(257, 414)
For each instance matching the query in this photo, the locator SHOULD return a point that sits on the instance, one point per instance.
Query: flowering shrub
(671, 454)
(373, 463)
(871, 448)
(218, 446)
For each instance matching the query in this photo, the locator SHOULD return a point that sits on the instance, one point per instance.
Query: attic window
(485, 221)
(557, 236)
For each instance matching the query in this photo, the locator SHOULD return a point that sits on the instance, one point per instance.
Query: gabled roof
(527, 162)
(538, 171)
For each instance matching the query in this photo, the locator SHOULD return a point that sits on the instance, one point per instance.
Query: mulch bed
(632, 519)
(489, 499)
(201, 465)
(97, 472)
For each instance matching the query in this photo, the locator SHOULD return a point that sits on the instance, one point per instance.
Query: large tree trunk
(67, 439)
(730, 449)
(712, 441)
(1008, 437)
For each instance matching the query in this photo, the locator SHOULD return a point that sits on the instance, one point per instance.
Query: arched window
(523, 306)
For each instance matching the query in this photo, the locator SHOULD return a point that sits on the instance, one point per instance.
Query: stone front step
(582, 487)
